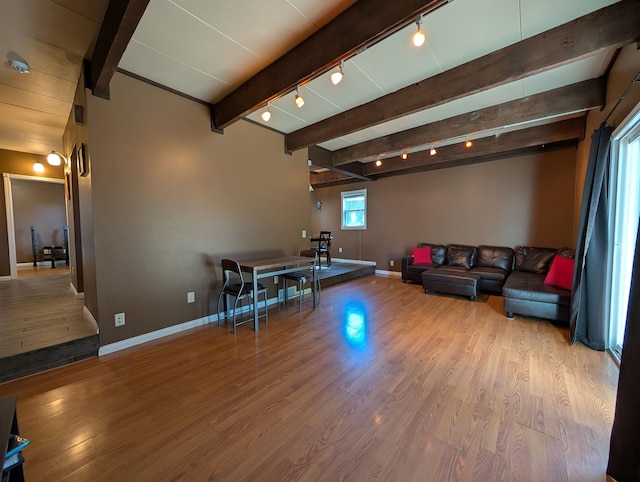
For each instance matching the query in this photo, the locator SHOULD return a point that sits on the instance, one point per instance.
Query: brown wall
(168, 195)
(526, 200)
(12, 162)
(624, 70)
(39, 204)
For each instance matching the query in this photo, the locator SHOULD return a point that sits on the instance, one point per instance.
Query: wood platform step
(36, 361)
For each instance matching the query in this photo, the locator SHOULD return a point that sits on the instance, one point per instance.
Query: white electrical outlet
(339, 250)
(191, 297)
(304, 233)
(275, 280)
(119, 318)
(392, 263)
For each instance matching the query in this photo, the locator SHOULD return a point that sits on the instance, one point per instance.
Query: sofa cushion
(530, 286)
(421, 255)
(460, 255)
(446, 268)
(560, 273)
(537, 260)
(494, 257)
(486, 272)
(438, 252)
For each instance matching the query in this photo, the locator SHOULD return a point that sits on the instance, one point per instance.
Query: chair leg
(301, 297)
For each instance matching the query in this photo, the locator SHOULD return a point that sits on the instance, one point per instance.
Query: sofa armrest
(406, 262)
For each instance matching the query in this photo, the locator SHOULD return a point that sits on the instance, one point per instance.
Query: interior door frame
(8, 201)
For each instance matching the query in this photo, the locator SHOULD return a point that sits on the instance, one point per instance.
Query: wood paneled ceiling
(513, 75)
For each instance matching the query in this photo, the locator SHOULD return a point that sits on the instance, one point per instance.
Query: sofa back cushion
(495, 257)
(534, 260)
(460, 255)
(422, 255)
(438, 252)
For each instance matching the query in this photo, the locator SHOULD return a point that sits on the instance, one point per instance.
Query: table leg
(256, 325)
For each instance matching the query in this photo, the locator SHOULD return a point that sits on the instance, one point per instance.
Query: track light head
(468, 144)
(433, 151)
(336, 77)
(419, 37)
(266, 115)
(298, 99)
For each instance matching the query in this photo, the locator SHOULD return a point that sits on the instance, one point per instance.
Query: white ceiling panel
(171, 73)
(395, 62)
(464, 30)
(395, 125)
(335, 144)
(315, 107)
(440, 112)
(192, 42)
(355, 89)
(585, 69)
(281, 120)
(541, 15)
(495, 96)
(321, 12)
(252, 24)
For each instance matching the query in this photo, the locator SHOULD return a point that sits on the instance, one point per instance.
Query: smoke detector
(19, 66)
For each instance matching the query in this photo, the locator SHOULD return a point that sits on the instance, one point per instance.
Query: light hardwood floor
(380, 382)
(39, 309)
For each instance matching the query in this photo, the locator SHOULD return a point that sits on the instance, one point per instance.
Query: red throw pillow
(561, 273)
(421, 255)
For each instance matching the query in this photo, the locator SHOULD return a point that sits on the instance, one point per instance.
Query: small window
(354, 209)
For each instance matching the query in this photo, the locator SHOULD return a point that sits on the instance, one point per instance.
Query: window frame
(346, 195)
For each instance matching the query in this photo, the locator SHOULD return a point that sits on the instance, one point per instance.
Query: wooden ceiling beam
(570, 129)
(556, 135)
(360, 26)
(564, 100)
(119, 24)
(608, 28)
(321, 157)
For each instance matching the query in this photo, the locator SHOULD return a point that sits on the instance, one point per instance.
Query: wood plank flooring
(380, 382)
(38, 310)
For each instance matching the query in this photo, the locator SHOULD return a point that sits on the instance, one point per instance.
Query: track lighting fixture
(433, 151)
(336, 77)
(378, 162)
(299, 100)
(468, 144)
(419, 37)
(266, 115)
(404, 156)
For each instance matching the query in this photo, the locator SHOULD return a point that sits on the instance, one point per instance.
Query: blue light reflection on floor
(355, 326)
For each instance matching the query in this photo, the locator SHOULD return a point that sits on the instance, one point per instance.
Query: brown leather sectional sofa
(518, 275)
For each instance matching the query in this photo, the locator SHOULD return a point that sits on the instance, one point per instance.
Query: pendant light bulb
(419, 37)
(266, 115)
(299, 100)
(336, 77)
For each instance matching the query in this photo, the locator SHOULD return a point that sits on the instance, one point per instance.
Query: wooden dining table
(262, 268)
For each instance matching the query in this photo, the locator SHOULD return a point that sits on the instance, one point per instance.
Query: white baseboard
(79, 295)
(170, 330)
(383, 272)
(5, 278)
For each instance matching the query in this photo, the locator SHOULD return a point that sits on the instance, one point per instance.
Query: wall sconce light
(266, 115)
(336, 77)
(54, 158)
(299, 100)
(38, 167)
(419, 37)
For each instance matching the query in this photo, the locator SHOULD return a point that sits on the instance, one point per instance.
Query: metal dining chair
(302, 277)
(323, 247)
(235, 285)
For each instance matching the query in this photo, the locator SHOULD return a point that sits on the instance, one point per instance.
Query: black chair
(302, 277)
(323, 247)
(236, 286)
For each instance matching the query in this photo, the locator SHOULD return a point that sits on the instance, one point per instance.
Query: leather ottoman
(455, 283)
